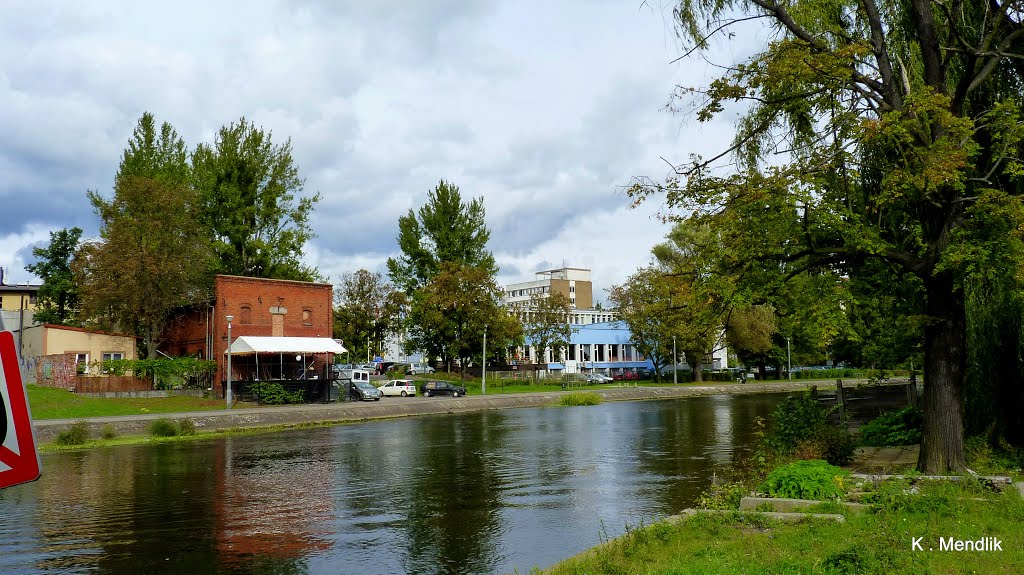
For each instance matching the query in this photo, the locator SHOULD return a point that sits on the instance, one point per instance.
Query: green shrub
(806, 479)
(186, 427)
(272, 393)
(903, 427)
(800, 427)
(581, 398)
(108, 431)
(76, 434)
(794, 421)
(164, 427)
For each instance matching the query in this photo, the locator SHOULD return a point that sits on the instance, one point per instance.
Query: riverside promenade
(349, 412)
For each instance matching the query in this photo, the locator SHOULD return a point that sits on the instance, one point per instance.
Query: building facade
(258, 307)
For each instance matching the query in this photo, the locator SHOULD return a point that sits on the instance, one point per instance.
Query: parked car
(363, 391)
(419, 369)
(431, 388)
(597, 378)
(399, 387)
(383, 367)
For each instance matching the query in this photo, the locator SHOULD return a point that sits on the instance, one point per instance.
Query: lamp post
(675, 362)
(789, 363)
(227, 390)
(483, 379)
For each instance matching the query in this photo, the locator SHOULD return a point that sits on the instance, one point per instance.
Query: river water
(487, 492)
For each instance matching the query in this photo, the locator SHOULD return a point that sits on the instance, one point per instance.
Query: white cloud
(545, 110)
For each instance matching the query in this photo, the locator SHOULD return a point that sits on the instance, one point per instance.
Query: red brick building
(260, 307)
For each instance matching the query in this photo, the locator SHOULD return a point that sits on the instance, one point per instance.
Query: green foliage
(186, 427)
(723, 495)
(800, 427)
(58, 297)
(164, 427)
(251, 206)
(902, 427)
(273, 393)
(76, 434)
(367, 310)
(580, 398)
(152, 258)
(448, 274)
(796, 420)
(806, 479)
(168, 372)
(108, 431)
(547, 323)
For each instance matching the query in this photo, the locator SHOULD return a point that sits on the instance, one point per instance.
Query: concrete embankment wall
(47, 430)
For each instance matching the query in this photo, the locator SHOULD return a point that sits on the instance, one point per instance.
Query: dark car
(441, 388)
(363, 391)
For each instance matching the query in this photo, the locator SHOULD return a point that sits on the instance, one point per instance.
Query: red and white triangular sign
(19, 461)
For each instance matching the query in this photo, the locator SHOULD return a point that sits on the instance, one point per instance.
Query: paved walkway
(47, 430)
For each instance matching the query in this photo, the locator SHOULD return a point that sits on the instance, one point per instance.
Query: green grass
(580, 398)
(50, 403)
(877, 542)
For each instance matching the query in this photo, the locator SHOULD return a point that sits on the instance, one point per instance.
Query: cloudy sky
(546, 110)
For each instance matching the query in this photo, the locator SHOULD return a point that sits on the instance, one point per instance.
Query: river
(486, 492)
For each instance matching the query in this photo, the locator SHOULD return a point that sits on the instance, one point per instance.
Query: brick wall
(303, 308)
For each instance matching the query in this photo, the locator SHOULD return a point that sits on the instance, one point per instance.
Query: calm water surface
(473, 493)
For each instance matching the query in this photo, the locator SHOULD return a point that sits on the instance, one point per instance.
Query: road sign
(19, 461)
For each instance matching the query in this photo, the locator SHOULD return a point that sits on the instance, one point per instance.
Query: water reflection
(476, 493)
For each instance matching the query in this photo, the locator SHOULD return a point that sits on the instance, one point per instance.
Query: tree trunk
(698, 370)
(945, 356)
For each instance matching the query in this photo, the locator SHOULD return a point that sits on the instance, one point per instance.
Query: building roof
(249, 344)
(23, 288)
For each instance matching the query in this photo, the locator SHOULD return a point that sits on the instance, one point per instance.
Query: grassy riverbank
(876, 541)
(50, 403)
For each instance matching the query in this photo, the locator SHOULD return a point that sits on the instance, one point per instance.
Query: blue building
(596, 347)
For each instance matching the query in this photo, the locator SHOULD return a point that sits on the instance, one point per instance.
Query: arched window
(246, 314)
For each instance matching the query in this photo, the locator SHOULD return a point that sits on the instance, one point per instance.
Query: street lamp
(227, 393)
(483, 379)
(789, 363)
(675, 362)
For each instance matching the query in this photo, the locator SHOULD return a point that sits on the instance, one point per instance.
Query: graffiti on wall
(57, 370)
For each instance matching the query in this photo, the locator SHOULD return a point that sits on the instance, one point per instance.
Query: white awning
(248, 344)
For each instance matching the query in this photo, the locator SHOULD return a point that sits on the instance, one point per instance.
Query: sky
(545, 110)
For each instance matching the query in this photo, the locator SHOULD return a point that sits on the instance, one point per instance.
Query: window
(82, 361)
(32, 298)
(113, 356)
(307, 317)
(246, 314)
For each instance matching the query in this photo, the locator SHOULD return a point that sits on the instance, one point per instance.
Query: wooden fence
(111, 383)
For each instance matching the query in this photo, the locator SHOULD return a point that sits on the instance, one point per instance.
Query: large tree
(444, 230)
(251, 203)
(446, 236)
(872, 132)
(366, 311)
(58, 297)
(644, 302)
(151, 258)
(546, 323)
(449, 315)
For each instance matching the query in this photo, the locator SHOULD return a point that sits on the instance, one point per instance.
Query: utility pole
(483, 379)
(789, 363)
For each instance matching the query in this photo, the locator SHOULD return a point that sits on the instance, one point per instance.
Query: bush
(272, 393)
(108, 431)
(76, 434)
(806, 479)
(164, 427)
(801, 428)
(581, 398)
(903, 427)
(186, 427)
